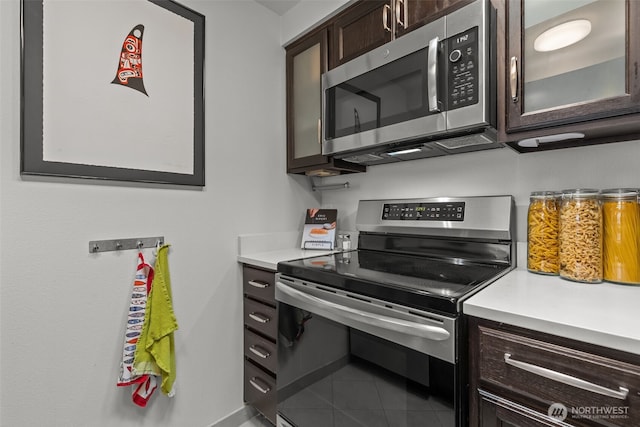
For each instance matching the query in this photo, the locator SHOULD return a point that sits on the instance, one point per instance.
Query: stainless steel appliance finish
(376, 335)
(486, 217)
(428, 93)
(425, 332)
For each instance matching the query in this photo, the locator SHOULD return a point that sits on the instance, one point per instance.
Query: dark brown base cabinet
(260, 348)
(524, 378)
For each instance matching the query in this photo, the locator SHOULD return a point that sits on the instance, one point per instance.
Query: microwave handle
(432, 75)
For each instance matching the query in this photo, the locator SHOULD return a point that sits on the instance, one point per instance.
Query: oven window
(332, 375)
(393, 93)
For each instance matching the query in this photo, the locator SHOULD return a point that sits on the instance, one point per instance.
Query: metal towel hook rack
(96, 246)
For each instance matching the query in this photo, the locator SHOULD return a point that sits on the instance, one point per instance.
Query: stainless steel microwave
(428, 93)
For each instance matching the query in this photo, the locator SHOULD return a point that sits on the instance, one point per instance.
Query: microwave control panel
(439, 211)
(462, 69)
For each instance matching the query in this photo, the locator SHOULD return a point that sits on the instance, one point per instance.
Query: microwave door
(387, 95)
(469, 71)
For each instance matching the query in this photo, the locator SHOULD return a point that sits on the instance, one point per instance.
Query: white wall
(62, 310)
(500, 171)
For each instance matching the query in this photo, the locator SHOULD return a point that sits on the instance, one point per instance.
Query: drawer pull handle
(258, 284)
(254, 382)
(259, 351)
(258, 318)
(566, 379)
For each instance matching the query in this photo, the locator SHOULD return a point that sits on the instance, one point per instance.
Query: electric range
(393, 305)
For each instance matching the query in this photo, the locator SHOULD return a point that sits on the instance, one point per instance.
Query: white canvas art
(90, 120)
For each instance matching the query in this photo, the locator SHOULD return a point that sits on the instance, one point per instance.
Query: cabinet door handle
(401, 6)
(566, 379)
(513, 78)
(258, 351)
(258, 284)
(432, 74)
(259, 318)
(262, 389)
(385, 17)
(319, 131)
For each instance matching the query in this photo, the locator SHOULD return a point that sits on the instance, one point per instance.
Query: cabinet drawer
(260, 390)
(259, 284)
(261, 351)
(260, 317)
(542, 373)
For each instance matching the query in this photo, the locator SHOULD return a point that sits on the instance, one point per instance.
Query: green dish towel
(155, 352)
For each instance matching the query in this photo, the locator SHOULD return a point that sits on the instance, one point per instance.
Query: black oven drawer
(260, 390)
(261, 351)
(261, 318)
(259, 284)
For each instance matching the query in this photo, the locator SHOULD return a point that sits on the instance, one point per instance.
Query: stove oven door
(348, 361)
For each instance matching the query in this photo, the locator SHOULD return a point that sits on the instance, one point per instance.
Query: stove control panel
(433, 211)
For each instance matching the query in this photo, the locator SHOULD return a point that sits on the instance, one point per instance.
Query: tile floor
(359, 396)
(257, 421)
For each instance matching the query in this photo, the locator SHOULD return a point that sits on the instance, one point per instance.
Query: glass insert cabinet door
(305, 64)
(570, 61)
(306, 101)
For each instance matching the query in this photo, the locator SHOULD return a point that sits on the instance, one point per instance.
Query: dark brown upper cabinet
(554, 94)
(411, 14)
(364, 26)
(306, 60)
(372, 23)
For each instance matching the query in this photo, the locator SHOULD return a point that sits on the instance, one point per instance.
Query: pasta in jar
(580, 236)
(621, 223)
(542, 233)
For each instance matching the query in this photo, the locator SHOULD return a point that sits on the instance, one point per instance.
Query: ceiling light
(410, 150)
(562, 35)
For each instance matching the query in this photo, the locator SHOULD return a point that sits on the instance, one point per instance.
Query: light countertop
(270, 259)
(604, 314)
(267, 250)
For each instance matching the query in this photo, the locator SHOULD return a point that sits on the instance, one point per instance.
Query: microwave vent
(362, 158)
(464, 141)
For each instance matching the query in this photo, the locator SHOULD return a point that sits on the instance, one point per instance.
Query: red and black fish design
(129, 72)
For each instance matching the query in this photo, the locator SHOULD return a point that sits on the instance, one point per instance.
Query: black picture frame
(32, 106)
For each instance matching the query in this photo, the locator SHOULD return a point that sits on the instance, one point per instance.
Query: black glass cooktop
(415, 281)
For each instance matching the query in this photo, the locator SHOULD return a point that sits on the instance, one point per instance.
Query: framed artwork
(113, 90)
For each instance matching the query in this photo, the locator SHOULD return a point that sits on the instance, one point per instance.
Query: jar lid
(580, 193)
(545, 194)
(617, 193)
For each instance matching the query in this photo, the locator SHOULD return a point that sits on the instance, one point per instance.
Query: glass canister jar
(542, 232)
(580, 236)
(621, 221)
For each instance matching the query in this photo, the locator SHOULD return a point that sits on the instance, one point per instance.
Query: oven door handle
(324, 307)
